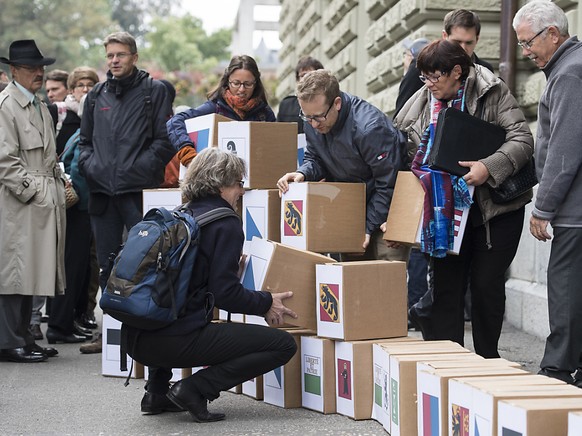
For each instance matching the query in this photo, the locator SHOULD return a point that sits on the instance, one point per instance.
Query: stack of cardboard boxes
(354, 356)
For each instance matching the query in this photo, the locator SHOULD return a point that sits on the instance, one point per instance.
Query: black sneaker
(565, 376)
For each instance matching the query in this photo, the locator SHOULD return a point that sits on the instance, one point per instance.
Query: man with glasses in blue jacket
(349, 140)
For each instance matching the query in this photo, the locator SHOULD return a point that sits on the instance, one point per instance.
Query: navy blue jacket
(177, 128)
(215, 280)
(117, 156)
(362, 146)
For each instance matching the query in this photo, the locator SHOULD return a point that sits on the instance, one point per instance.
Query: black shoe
(49, 351)
(87, 322)
(36, 332)
(578, 378)
(53, 336)
(193, 402)
(81, 331)
(560, 375)
(153, 404)
(22, 355)
(421, 323)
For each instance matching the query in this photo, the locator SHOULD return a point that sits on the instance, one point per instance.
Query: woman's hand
(478, 173)
(276, 313)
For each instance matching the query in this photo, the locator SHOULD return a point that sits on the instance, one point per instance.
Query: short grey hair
(540, 14)
(318, 82)
(121, 38)
(211, 170)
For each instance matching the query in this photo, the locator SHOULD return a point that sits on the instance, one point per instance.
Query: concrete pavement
(68, 395)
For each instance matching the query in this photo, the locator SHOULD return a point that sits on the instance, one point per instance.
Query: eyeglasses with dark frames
(316, 118)
(528, 44)
(431, 79)
(237, 84)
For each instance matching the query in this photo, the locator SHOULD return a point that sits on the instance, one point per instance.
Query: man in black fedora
(32, 204)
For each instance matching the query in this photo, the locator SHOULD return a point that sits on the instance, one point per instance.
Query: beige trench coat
(32, 200)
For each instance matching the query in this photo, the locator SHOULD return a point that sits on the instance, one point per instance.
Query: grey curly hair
(211, 170)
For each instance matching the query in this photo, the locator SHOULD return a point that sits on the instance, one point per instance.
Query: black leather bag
(515, 185)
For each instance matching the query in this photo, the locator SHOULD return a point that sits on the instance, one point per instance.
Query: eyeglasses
(528, 44)
(31, 68)
(431, 79)
(84, 86)
(237, 84)
(241, 183)
(120, 56)
(316, 118)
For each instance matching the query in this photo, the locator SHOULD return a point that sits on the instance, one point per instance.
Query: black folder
(460, 136)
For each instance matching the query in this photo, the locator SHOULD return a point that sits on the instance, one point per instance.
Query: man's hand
(283, 183)
(276, 313)
(389, 244)
(478, 173)
(366, 241)
(538, 228)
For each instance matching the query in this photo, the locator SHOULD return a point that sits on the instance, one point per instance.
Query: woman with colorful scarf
(240, 96)
(493, 230)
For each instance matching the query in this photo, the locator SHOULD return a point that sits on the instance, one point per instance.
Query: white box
(169, 198)
(261, 215)
(301, 145)
(111, 353)
(317, 374)
(234, 317)
(203, 130)
(253, 388)
(535, 417)
(574, 423)
(381, 404)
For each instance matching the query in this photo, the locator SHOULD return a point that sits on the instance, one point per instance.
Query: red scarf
(240, 105)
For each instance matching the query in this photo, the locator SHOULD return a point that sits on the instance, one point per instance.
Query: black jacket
(411, 83)
(117, 156)
(215, 280)
(289, 112)
(71, 124)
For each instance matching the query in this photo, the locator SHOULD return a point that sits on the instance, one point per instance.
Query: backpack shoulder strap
(92, 96)
(214, 215)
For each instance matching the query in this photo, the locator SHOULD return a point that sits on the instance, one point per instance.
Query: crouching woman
(231, 353)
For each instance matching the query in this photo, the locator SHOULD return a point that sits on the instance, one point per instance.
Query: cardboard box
(282, 386)
(177, 373)
(254, 388)
(324, 217)
(318, 374)
(482, 403)
(574, 423)
(111, 354)
(404, 222)
(354, 376)
(403, 397)
(170, 198)
(261, 215)
(301, 144)
(274, 267)
(361, 300)
(535, 417)
(269, 149)
(433, 394)
(429, 366)
(203, 130)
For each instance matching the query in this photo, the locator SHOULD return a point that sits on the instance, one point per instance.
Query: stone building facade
(360, 41)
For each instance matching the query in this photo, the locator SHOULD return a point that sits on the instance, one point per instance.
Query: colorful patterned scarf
(241, 106)
(443, 191)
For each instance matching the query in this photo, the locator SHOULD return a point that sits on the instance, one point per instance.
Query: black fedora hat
(25, 52)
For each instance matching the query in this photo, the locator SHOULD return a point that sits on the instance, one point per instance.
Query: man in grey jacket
(349, 140)
(542, 32)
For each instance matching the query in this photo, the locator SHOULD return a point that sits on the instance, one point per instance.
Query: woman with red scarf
(240, 96)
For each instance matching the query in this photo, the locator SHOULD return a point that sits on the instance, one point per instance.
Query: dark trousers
(234, 353)
(564, 344)
(110, 216)
(485, 267)
(77, 250)
(417, 276)
(15, 312)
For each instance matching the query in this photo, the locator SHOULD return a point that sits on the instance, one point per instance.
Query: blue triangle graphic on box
(476, 428)
(249, 277)
(277, 372)
(251, 228)
(300, 156)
